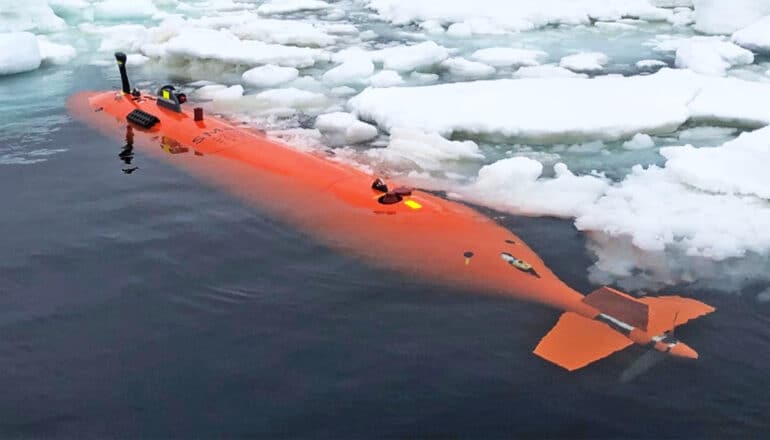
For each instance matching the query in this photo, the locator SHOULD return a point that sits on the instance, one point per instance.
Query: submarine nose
(683, 350)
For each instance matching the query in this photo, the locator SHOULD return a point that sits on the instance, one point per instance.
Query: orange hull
(424, 235)
(421, 235)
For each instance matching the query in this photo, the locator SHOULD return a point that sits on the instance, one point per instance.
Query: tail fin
(576, 341)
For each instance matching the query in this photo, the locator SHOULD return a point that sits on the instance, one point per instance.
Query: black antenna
(121, 58)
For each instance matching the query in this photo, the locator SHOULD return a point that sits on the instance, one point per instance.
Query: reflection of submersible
(406, 230)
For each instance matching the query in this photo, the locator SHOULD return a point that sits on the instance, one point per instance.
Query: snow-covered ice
(587, 62)
(424, 149)
(346, 126)
(756, 36)
(567, 109)
(19, 52)
(508, 56)
(269, 75)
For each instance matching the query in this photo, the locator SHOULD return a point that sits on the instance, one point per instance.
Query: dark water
(151, 305)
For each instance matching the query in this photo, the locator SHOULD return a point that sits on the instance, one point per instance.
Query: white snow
(460, 67)
(29, 15)
(515, 184)
(547, 71)
(289, 98)
(269, 76)
(501, 15)
(290, 32)
(55, 53)
(409, 146)
(19, 52)
(288, 6)
(355, 69)
(737, 167)
(346, 126)
(640, 141)
(589, 62)
(711, 55)
(726, 17)
(408, 58)
(509, 56)
(122, 9)
(558, 110)
(650, 64)
(755, 36)
(386, 78)
(218, 92)
(223, 46)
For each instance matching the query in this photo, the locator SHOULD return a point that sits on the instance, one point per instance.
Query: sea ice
(756, 36)
(509, 56)
(269, 76)
(287, 6)
(55, 53)
(354, 69)
(424, 149)
(346, 126)
(640, 141)
(386, 78)
(19, 52)
(122, 9)
(726, 17)
(711, 55)
(585, 62)
(462, 68)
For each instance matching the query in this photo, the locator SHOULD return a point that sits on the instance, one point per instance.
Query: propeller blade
(642, 364)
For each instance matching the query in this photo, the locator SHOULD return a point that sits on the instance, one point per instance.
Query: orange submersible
(395, 227)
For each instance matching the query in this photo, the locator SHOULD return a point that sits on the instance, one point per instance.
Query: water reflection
(126, 154)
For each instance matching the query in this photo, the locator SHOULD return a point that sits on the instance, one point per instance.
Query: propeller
(649, 359)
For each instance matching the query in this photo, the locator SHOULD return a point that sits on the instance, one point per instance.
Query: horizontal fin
(575, 342)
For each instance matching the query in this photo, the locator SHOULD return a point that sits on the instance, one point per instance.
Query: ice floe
(409, 146)
(462, 68)
(587, 62)
(755, 36)
(567, 109)
(726, 17)
(345, 128)
(710, 55)
(509, 56)
(287, 6)
(269, 75)
(19, 52)
(494, 16)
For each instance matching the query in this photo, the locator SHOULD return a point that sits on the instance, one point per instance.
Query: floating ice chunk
(459, 30)
(650, 65)
(121, 9)
(559, 109)
(19, 52)
(756, 36)
(592, 147)
(346, 126)
(290, 98)
(136, 59)
(731, 101)
(287, 6)
(342, 91)
(508, 56)
(218, 92)
(355, 69)
(123, 37)
(407, 58)
(463, 68)
(522, 16)
(547, 71)
(423, 78)
(289, 32)
(726, 17)
(341, 29)
(701, 135)
(585, 62)
(682, 17)
(29, 15)
(432, 27)
(515, 184)
(672, 3)
(424, 149)
(640, 141)
(737, 167)
(208, 44)
(711, 55)
(657, 210)
(764, 296)
(54, 53)
(269, 76)
(386, 78)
